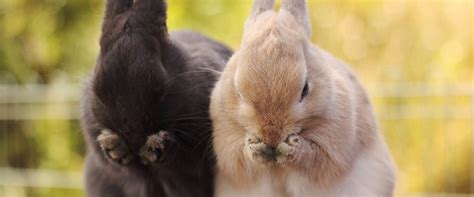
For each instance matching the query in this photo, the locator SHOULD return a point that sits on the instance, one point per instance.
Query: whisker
(184, 132)
(185, 118)
(192, 113)
(184, 73)
(212, 70)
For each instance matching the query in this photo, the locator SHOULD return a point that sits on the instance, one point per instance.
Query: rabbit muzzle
(274, 153)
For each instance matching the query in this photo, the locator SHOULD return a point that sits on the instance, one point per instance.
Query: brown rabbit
(289, 119)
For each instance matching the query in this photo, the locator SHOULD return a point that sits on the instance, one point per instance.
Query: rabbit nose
(269, 152)
(271, 135)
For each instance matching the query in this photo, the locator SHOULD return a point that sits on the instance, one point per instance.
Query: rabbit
(289, 119)
(145, 107)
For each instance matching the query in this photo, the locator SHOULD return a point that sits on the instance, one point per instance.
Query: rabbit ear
(116, 7)
(259, 6)
(299, 10)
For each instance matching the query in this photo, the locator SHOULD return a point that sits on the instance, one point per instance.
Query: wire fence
(60, 103)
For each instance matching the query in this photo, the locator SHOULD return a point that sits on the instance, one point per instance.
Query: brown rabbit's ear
(299, 10)
(259, 7)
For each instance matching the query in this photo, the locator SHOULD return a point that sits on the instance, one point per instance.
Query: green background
(414, 56)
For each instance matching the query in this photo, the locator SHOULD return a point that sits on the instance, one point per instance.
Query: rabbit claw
(152, 151)
(114, 147)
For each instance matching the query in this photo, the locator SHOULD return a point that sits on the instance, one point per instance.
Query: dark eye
(305, 91)
(239, 95)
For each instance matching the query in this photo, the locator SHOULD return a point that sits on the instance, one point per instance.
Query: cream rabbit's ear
(299, 10)
(259, 7)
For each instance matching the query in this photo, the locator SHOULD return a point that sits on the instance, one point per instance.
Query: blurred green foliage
(414, 56)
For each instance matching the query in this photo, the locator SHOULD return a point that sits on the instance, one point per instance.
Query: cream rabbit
(291, 120)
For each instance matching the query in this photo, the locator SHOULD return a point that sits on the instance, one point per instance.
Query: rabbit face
(133, 104)
(271, 86)
(264, 106)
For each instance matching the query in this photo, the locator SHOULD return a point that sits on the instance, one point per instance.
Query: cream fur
(329, 143)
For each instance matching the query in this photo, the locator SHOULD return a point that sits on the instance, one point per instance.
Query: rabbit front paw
(288, 149)
(282, 153)
(153, 149)
(114, 147)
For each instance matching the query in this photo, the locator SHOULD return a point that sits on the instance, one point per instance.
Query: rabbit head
(271, 84)
(270, 89)
(136, 93)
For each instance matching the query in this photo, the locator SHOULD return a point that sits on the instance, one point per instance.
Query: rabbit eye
(305, 91)
(239, 95)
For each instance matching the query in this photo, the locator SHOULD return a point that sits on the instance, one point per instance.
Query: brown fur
(258, 97)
